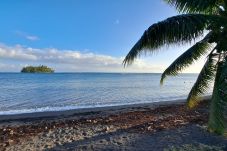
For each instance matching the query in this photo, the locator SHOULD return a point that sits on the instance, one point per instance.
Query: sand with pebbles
(163, 127)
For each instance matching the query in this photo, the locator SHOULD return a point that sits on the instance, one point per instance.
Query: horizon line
(97, 72)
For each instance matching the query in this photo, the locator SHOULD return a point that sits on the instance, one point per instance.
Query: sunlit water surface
(25, 93)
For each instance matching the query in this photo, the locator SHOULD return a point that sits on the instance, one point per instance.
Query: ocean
(27, 93)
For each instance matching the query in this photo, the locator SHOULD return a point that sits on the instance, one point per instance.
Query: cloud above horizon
(13, 58)
(26, 35)
(67, 60)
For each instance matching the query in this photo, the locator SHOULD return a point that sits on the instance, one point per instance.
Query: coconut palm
(204, 21)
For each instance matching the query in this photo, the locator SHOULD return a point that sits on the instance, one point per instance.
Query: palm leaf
(178, 29)
(201, 85)
(187, 58)
(218, 107)
(196, 6)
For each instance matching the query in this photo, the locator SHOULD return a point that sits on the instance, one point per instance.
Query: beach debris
(55, 132)
(11, 132)
(88, 120)
(95, 121)
(178, 121)
(107, 129)
(11, 141)
(149, 128)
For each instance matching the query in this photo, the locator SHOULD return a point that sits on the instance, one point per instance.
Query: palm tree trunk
(218, 106)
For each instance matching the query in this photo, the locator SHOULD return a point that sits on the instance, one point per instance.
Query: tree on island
(37, 69)
(200, 17)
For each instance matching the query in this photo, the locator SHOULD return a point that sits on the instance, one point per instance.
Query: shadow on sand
(158, 141)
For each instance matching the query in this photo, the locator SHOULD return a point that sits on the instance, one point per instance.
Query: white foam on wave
(65, 108)
(43, 109)
(53, 109)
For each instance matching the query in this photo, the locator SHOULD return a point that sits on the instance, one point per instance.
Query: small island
(37, 69)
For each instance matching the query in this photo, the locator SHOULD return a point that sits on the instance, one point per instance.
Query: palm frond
(218, 107)
(187, 58)
(201, 85)
(196, 6)
(178, 29)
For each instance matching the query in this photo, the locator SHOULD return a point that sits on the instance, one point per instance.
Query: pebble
(95, 121)
(5, 144)
(84, 134)
(149, 128)
(62, 131)
(107, 129)
(10, 141)
(89, 121)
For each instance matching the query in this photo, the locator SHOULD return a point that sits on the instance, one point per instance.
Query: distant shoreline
(37, 69)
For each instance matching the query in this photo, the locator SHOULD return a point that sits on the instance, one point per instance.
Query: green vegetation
(199, 17)
(38, 69)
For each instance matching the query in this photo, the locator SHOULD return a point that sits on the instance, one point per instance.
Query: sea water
(26, 93)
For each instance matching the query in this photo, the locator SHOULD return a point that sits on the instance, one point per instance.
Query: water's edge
(65, 113)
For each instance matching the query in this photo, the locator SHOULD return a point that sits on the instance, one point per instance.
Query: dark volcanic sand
(134, 128)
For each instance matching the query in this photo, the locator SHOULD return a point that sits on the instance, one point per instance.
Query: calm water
(23, 93)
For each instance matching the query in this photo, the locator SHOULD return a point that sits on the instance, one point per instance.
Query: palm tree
(199, 17)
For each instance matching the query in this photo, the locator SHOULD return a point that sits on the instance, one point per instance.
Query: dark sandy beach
(157, 126)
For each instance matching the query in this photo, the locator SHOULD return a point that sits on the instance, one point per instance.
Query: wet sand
(154, 126)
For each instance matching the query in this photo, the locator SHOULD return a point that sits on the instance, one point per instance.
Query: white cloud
(32, 38)
(13, 58)
(68, 60)
(27, 36)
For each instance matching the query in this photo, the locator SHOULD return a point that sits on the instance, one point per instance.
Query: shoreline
(97, 110)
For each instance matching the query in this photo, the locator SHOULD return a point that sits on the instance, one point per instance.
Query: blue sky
(65, 34)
